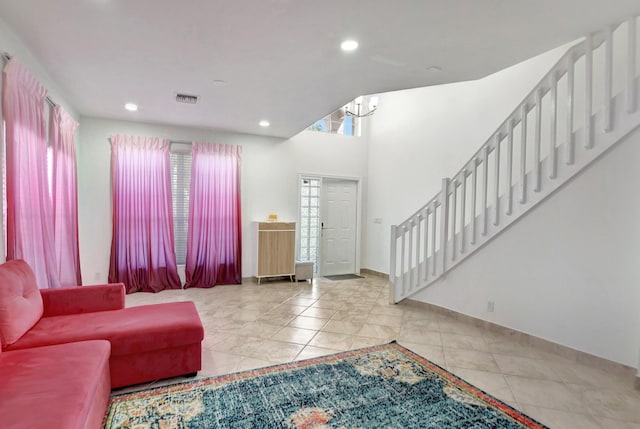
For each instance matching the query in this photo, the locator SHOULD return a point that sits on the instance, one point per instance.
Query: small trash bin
(304, 270)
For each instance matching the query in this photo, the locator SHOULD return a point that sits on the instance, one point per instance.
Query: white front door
(338, 226)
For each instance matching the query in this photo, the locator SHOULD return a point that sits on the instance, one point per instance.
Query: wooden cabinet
(275, 249)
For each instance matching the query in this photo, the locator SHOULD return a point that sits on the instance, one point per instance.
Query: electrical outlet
(96, 275)
(490, 306)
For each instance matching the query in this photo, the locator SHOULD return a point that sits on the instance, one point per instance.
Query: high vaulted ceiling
(280, 60)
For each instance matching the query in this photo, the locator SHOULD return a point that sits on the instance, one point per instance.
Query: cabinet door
(276, 252)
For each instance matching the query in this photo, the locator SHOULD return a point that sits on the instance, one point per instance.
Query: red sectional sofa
(55, 342)
(147, 342)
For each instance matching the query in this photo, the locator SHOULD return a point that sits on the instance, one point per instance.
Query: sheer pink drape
(64, 196)
(142, 246)
(29, 213)
(214, 237)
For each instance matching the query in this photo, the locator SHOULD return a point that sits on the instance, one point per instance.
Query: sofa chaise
(62, 386)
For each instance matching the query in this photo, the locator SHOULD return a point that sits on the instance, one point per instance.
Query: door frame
(359, 205)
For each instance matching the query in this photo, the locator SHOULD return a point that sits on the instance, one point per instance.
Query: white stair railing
(551, 136)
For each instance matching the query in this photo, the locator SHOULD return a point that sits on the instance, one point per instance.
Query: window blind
(180, 182)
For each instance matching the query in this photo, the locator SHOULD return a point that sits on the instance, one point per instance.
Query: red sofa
(144, 344)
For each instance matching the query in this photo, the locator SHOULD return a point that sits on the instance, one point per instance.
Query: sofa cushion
(63, 386)
(130, 330)
(20, 301)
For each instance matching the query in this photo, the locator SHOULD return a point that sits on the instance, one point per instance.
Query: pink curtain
(64, 196)
(142, 246)
(214, 237)
(29, 213)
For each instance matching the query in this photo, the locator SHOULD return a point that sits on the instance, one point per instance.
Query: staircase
(583, 106)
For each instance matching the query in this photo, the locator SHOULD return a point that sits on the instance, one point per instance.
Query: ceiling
(280, 60)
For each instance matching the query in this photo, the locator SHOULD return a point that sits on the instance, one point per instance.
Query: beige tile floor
(251, 326)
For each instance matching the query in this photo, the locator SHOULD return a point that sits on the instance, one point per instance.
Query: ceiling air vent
(186, 98)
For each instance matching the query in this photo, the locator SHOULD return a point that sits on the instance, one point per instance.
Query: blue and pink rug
(384, 386)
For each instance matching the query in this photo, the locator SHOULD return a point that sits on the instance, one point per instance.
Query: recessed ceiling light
(131, 107)
(434, 69)
(219, 82)
(349, 45)
(264, 123)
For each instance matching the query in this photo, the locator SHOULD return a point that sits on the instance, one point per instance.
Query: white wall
(418, 136)
(270, 169)
(568, 271)
(12, 45)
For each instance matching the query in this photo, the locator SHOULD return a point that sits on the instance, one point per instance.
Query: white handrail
(459, 227)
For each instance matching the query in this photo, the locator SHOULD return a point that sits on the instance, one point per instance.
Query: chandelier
(356, 108)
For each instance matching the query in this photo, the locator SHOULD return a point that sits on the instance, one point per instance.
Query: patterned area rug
(384, 386)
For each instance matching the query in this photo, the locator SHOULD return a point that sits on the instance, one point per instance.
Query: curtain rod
(6, 57)
(171, 141)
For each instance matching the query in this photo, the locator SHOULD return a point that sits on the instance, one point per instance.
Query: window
(309, 221)
(50, 169)
(337, 122)
(180, 183)
(347, 120)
